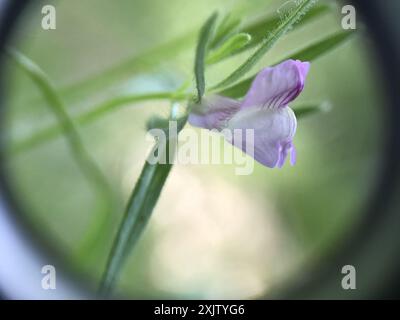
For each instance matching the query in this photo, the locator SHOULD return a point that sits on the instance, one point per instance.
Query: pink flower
(264, 109)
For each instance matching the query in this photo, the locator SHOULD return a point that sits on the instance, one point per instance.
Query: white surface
(21, 265)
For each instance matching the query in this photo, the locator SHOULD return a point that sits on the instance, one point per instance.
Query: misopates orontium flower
(264, 109)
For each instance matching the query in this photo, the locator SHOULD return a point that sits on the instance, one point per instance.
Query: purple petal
(284, 149)
(293, 155)
(275, 87)
(274, 130)
(213, 112)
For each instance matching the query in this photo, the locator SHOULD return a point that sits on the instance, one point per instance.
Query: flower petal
(293, 155)
(284, 148)
(275, 87)
(273, 133)
(213, 112)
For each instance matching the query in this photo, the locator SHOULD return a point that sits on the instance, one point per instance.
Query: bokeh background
(213, 234)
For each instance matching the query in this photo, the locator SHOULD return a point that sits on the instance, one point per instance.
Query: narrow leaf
(286, 24)
(137, 214)
(229, 47)
(256, 29)
(87, 165)
(310, 109)
(123, 71)
(151, 181)
(239, 89)
(319, 48)
(139, 208)
(310, 53)
(157, 122)
(225, 29)
(89, 116)
(201, 50)
(259, 28)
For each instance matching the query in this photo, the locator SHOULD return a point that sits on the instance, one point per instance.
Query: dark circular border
(374, 247)
(69, 285)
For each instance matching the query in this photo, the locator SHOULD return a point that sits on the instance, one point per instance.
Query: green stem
(201, 50)
(88, 166)
(89, 116)
(153, 176)
(267, 44)
(310, 53)
(138, 211)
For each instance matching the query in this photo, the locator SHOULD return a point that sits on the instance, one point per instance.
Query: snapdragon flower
(264, 109)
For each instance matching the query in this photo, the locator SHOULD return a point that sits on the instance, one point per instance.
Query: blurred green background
(213, 234)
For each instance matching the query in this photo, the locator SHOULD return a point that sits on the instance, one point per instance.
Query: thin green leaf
(319, 48)
(88, 166)
(229, 47)
(239, 89)
(139, 208)
(124, 70)
(138, 211)
(225, 29)
(118, 102)
(201, 51)
(87, 117)
(310, 53)
(151, 181)
(157, 122)
(286, 24)
(258, 28)
(310, 109)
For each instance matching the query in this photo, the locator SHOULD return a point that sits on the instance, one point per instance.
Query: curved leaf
(87, 165)
(89, 116)
(309, 109)
(231, 46)
(284, 26)
(225, 29)
(310, 53)
(201, 50)
(259, 28)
